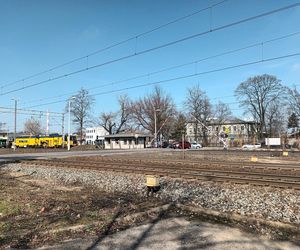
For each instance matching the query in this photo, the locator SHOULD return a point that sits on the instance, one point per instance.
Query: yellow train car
(50, 141)
(47, 141)
(25, 141)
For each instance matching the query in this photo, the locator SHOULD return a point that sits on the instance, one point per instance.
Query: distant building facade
(94, 133)
(238, 131)
(127, 141)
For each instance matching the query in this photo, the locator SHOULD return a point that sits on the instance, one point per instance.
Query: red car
(179, 145)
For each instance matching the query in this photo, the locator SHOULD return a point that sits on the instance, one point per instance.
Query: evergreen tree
(293, 121)
(179, 127)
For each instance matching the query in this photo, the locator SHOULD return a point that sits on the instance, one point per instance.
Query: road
(14, 157)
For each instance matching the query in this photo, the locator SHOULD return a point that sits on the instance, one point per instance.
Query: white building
(94, 133)
(238, 131)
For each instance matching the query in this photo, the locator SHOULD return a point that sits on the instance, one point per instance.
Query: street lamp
(155, 129)
(69, 127)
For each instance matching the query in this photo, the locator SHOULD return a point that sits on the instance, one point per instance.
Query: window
(242, 127)
(234, 128)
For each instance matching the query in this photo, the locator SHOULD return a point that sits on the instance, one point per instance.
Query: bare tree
(116, 122)
(124, 114)
(156, 104)
(198, 104)
(106, 120)
(275, 118)
(294, 100)
(256, 95)
(32, 126)
(221, 113)
(81, 108)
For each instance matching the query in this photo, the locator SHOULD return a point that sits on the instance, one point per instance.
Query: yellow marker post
(152, 181)
(254, 159)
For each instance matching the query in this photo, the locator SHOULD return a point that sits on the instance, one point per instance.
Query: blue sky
(38, 35)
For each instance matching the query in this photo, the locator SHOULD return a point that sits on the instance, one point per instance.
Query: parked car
(251, 146)
(185, 144)
(196, 145)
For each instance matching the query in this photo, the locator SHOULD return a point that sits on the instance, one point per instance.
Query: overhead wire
(185, 76)
(177, 66)
(156, 48)
(116, 44)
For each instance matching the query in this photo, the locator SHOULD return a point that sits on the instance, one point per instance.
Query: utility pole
(155, 133)
(15, 129)
(47, 123)
(183, 152)
(63, 130)
(155, 129)
(69, 127)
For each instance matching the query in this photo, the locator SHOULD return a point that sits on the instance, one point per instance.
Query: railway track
(212, 164)
(263, 175)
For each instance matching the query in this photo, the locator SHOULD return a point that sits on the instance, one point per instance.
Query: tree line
(264, 98)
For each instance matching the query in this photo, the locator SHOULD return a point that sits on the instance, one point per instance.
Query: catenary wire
(174, 67)
(114, 45)
(184, 76)
(155, 48)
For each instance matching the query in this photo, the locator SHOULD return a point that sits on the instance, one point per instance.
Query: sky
(36, 36)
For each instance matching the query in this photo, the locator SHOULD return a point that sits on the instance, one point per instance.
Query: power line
(178, 66)
(156, 48)
(23, 113)
(31, 110)
(115, 44)
(185, 76)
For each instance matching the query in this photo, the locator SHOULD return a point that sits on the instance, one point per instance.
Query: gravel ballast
(274, 204)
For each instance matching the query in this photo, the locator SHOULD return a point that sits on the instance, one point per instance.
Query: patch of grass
(5, 227)
(8, 208)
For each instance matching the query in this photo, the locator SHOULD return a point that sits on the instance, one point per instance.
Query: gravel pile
(262, 202)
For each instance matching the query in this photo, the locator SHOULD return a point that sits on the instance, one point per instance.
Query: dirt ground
(37, 212)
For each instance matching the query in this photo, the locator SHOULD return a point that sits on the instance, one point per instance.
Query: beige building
(238, 131)
(127, 141)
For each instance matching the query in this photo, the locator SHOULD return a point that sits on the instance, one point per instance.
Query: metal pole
(155, 133)
(15, 129)
(183, 145)
(69, 127)
(47, 123)
(63, 130)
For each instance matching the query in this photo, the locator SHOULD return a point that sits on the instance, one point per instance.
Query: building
(238, 132)
(127, 141)
(94, 133)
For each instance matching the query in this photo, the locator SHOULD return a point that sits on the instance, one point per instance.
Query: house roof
(133, 135)
(229, 121)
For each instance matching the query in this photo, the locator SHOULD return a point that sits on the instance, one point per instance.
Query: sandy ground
(177, 233)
